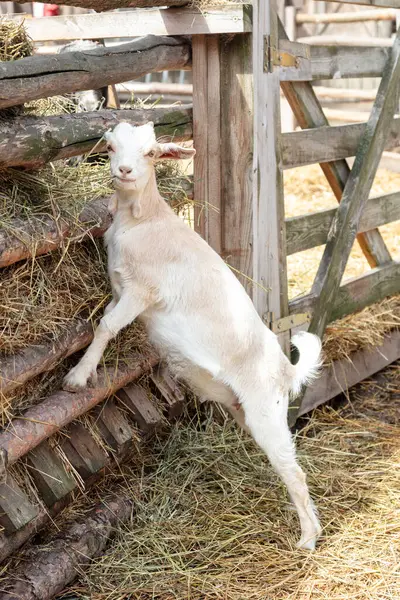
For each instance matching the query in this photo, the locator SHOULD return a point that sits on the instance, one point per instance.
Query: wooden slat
(345, 40)
(200, 134)
(49, 474)
(308, 231)
(16, 510)
(135, 23)
(135, 399)
(333, 62)
(326, 144)
(114, 427)
(385, 3)
(86, 456)
(170, 391)
(309, 114)
(345, 373)
(356, 192)
(356, 293)
(269, 246)
(347, 17)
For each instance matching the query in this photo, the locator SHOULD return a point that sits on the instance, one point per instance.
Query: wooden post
(269, 259)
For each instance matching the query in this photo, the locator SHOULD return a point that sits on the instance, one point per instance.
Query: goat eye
(151, 154)
(109, 148)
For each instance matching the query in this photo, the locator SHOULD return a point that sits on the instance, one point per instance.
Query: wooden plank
(309, 114)
(356, 192)
(200, 134)
(347, 17)
(345, 40)
(16, 510)
(343, 374)
(325, 144)
(49, 474)
(236, 148)
(170, 391)
(385, 3)
(135, 399)
(114, 427)
(356, 293)
(41, 76)
(86, 456)
(347, 94)
(135, 23)
(269, 245)
(308, 231)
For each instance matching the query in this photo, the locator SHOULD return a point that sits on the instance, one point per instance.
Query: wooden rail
(100, 5)
(308, 231)
(381, 3)
(343, 40)
(347, 17)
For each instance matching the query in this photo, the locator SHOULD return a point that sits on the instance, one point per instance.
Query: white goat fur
(197, 313)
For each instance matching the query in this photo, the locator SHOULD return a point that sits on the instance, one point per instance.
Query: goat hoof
(307, 544)
(75, 380)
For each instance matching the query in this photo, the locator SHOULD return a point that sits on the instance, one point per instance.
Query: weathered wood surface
(41, 76)
(200, 133)
(347, 41)
(347, 94)
(23, 239)
(387, 3)
(19, 368)
(347, 17)
(356, 192)
(82, 451)
(114, 428)
(309, 114)
(308, 231)
(41, 421)
(130, 24)
(16, 510)
(343, 374)
(326, 143)
(29, 141)
(49, 474)
(100, 5)
(269, 244)
(356, 293)
(45, 571)
(170, 391)
(136, 400)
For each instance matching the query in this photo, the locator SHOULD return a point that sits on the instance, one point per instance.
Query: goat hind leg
(267, 422)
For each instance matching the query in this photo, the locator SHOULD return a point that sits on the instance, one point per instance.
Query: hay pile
(213, 520)
(14, 41)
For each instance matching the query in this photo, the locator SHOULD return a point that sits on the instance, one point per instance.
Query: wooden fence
(238, 193)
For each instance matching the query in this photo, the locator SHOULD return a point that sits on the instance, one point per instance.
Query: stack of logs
(30, 141)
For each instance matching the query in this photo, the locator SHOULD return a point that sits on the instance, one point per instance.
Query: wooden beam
(129, 24)
(346, 94)
(200, 133)
(309, 114)
(343, 374)
(346, 41)
(324, 144)
(308, 231)
(269, 245)
(356, 192)
(40, 76)
(346, 17)
(30, 142)
(384, 3)
(356, 293)
(100, 5)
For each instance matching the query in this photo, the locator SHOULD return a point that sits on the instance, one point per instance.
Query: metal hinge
(286, 323)
(277, 57)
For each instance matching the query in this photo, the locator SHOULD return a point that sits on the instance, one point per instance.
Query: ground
(213, 521)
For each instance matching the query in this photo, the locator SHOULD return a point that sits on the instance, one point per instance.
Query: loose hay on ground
(213, 520)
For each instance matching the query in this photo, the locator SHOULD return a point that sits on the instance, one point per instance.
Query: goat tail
(308, 366)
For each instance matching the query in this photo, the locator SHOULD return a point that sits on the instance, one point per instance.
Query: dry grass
(213, 521)
(14, 41)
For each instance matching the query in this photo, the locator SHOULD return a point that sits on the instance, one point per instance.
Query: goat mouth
(124, 179)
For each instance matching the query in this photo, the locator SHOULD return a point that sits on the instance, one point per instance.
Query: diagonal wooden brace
(309, 114)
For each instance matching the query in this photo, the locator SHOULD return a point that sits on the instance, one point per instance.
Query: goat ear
(174, 152)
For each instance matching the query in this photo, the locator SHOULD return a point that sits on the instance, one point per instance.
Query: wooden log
(47, 570)
(129, 24)
(345, 41)
(356, 293)
(343, 374)
(156, 88)
(41, 76)
(308, 231)
(30, 362)
(356, 192)
(33, 141)
(309, 114)
(101, 5)
(346, 17)
(323, 144)
(40, 422)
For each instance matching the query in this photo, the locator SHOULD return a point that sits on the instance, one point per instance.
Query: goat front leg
(122, 314)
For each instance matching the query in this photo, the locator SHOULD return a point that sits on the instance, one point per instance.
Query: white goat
(197, 313)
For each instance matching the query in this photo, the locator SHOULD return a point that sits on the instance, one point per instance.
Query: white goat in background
(196, 313)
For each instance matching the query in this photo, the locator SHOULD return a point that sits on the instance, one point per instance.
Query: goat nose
(125, 170)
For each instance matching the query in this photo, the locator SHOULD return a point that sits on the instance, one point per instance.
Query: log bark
(41, 76)
(47, 570)
(40, 422)
(30, 141)
(45, 234)
(30, 362)
(101, 5)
